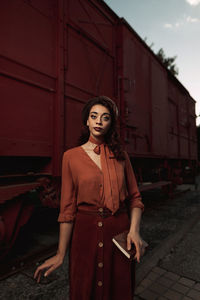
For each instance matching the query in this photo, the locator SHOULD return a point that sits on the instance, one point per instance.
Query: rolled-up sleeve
(68, 205)
(132, 187)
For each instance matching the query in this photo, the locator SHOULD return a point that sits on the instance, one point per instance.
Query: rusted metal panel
(159, 96)
(28, 81)
(89, 68)
(184, 147)
(173, 120)
(193, 149)
(155, 112)
(173, 129)
(183, 116)
(135, 98)
(27, 33)
(90, 60)
(93, 19)
(186, 129)
(26, 119)
(191, 106)
(192, 128)
(184, 126)
(69, 55)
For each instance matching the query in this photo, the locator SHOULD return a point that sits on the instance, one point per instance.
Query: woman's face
(99, 120)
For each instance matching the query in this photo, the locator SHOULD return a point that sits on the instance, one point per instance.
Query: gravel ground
(22, 286)
(162, 218)
(184, 259)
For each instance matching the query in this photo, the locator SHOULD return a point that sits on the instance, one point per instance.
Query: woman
(98, 193)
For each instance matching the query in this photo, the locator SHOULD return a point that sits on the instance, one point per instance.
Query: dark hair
(111, 137)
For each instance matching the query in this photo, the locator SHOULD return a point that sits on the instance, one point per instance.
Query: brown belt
(104, 212)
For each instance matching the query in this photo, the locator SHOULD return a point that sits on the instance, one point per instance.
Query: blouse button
(100, 265)
(100, 283)
(100, 244)
(100, 224)
(100, 184)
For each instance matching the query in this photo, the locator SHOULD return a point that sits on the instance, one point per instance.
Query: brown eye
(106, 118)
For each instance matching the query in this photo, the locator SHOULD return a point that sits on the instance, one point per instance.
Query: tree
(168, 61)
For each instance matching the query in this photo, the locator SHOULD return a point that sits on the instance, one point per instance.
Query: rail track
(14, 265)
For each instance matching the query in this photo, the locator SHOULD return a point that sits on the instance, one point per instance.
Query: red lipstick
(97, 128)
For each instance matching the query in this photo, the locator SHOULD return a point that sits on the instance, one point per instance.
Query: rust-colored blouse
(82, 182)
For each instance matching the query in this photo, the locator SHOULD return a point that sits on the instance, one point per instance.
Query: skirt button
(100, 265)
(100, 244)
(100, 224)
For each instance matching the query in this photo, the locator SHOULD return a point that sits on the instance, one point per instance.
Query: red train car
(158, 113)
(54, 56)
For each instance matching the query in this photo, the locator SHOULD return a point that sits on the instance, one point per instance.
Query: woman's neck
(95, 141)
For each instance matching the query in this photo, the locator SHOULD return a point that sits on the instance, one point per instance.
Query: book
(120, 241)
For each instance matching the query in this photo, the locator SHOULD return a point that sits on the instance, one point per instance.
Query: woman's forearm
(64, 238)
(136, 213)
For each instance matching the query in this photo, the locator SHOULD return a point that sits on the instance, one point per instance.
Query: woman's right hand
(50, 265)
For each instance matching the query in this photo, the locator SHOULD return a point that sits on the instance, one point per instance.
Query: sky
(173, 25)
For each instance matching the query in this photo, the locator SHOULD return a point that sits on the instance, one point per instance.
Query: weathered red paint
(158, 112)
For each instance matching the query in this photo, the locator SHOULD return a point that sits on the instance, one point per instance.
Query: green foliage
(168, 61)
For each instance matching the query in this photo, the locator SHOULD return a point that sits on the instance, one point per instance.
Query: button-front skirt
(98, 269)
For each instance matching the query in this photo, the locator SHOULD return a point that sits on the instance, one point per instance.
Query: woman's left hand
(140, 245)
